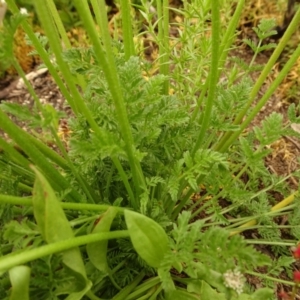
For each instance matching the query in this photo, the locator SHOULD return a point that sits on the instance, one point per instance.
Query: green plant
(111, 214)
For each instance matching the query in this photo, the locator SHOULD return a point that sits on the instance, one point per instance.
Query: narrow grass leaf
(129, 287)
(148, 238)
(19, 278)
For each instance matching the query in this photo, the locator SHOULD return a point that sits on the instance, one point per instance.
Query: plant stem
(62, 32)
(276, 207)
(224, 144)
(55, 44)
(15, 259)
(141, 289)
(127, 29)
(32, 92)
(89, 192)
(107, 62)
(213, 75)
(59, 25)
(224, 49)
(92, 296)
(270, 278)
(127, 290)
(65, 205)
(163, 41)
(230, 34)
(15, 156)
(44, 55)
(54, 177)
(265, 242)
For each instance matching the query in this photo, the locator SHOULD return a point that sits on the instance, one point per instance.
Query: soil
(284, 158)
(13, 90)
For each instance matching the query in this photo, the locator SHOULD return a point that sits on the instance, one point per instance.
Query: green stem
(166, 45)
(56, 179)
(262, 242)
(22, 187)
(224, 49)
(148, 294)
(79, 104)
(39, 105)
(92, 296)
(127, 290)
(91, 196)
(230, 34)
(63, 34)
(145, 286)
(31, 90)
(261, 79)
(225, 144)
(47, 151)
(127, 29)
(163, 41)
(65, 205)
(43, 54)
(107, 62)
(101, 18)
(14, 259)
(14, 155)
(270, 278)
(213, 75)
(200, 101)
(155, 294)
(48, 26)
(124, 179)
(37, 101)
(59, 25)
(84, 220)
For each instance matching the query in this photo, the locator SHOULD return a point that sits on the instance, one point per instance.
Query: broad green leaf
(19, 278)
(79, 295)
(246, 297)
(148, 238)
(97, 251)
(178, 266)
(262, 294)
(194, 285)
(207, 292)
(48, 212)
(210, 276)
(54, 227)
(64, 289)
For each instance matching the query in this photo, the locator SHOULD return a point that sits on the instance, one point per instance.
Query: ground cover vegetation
(149, 192)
